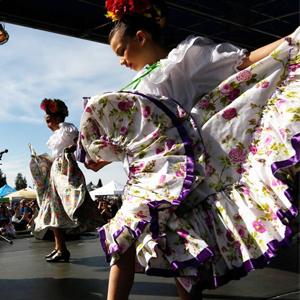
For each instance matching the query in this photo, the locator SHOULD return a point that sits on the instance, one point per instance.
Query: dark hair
(130, 24)
(55, 107)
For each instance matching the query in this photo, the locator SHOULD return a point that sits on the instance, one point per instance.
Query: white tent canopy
(111, 188)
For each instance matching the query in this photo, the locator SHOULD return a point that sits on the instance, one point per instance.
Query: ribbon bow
(138, 80)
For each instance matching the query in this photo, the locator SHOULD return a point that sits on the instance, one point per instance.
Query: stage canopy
(249, 24)
(5, 190)
(24, 193)
(109, 189)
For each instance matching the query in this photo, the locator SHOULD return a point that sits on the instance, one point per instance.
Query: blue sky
(35, 65)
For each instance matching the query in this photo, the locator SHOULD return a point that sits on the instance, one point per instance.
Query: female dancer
(64, 203)
(204, 202)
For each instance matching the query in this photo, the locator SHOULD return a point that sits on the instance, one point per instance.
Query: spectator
(105, 212)
(24, 207)
(20, 222)
(113, 207)
(7, 228)
(34, 207)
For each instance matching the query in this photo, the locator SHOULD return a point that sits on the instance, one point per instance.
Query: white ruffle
(195, 66)
(62, 138)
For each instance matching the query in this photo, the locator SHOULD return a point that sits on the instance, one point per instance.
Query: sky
(35, 65)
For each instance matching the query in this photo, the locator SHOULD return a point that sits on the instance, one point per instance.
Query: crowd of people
(108, 207)
(17, 218)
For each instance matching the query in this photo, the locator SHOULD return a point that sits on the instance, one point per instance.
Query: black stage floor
(25, 275)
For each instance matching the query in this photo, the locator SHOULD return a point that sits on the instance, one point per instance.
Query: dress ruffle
(218, 208)
(62, 138)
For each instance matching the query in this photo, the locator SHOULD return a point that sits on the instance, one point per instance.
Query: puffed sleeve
(64, 137)
(195, 67)
(96, 139)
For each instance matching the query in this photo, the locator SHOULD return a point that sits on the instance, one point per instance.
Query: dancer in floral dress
(64, 203)
(212, 173)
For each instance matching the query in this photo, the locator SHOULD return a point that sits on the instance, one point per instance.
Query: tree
(20, 182)
(99, 183)
(2, 179)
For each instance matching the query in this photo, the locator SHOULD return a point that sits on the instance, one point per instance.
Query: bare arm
(98, 165)
(260, 53)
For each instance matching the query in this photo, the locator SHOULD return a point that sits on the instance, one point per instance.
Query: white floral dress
(209, 193)
(63, 199)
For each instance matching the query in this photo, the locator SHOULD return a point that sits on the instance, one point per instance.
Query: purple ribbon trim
(198, 260)
(295, 141)
(153, 205)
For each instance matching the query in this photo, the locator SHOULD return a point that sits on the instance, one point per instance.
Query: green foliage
(20, 182)
(99, 183)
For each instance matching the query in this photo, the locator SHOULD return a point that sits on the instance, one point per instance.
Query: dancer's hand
(96, 166)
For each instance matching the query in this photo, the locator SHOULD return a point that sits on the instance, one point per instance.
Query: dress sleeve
(192, 69)
(97, 137)
(64, 137)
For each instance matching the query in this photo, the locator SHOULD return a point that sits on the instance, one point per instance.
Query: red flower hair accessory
(117, 9)
(55, 106)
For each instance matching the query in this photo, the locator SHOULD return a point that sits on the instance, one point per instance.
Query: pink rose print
(240, 230)
(159, 150)
(225, 89)
(208, 169)
(179, 174)
(233, 95)
(267, 141)
(272, 214)
(259, 226)
(244, 76)
(140, 215)
(162, 179)
(204, 103)
(253, 149)
(146, 111)
(240, 170)
(265, 85)
(156, 133)
(183, 233)
(137, 169)
(183, 167)
(237, 217)
(279, 102)
(229, 114)
(282, 133)
(89, 110)
(125, 105)
(245, 190)
(237, 247)
(237, 155)
(123, 130)
(294, 67)
(169, 144)
(181, 112)
(229, 235)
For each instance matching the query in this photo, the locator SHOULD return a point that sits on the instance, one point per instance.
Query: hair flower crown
(117, 9)
(55, 106)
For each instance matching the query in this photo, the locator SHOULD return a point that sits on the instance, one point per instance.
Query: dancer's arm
(260, 53)
(96, 166)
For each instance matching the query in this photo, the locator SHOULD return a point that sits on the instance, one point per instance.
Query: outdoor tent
(5, 190)
(24, 193)
(111, 188)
